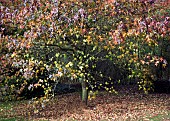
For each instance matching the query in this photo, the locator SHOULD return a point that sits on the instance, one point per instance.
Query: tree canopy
(55, 40)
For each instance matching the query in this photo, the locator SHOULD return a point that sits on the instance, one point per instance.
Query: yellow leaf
(164, 65)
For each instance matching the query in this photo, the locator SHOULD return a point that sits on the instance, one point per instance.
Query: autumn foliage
(50, 41)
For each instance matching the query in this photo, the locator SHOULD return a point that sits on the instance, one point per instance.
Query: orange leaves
(135, 22)
(100, 38)
(59, 74)
(142, 61)
(110, 1)
(117, 37)
(148, 39)
(129, 105)
(155, 60)
(89, 39)
(83, 31)
(131, 32)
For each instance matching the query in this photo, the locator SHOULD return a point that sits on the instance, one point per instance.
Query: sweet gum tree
(47, 40)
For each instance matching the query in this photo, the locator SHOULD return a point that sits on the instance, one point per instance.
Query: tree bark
(84, 92)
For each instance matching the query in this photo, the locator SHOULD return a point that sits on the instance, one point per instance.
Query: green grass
(8, 119)
(6, 109)
(12, 119)
(160, 117)
(6, 105)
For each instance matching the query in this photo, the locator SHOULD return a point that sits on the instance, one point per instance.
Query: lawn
(128, 105)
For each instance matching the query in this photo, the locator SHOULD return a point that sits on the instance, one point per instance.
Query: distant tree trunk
(84, 92)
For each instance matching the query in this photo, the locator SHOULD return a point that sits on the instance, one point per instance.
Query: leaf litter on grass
(127, 105)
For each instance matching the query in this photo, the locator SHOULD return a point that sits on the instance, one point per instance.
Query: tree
(69, 42)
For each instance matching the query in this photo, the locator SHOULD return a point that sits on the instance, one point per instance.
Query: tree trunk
(84, 92)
